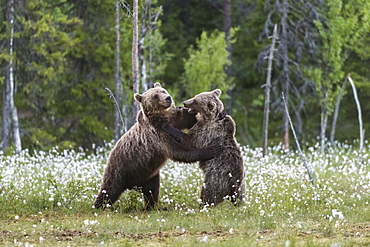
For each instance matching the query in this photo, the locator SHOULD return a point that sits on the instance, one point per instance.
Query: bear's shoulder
(229, 124)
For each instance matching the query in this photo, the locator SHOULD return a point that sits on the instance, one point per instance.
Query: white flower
(335, 213)
(91, 222)
(204, 239)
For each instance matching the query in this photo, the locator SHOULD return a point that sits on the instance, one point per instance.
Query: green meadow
(46, 199)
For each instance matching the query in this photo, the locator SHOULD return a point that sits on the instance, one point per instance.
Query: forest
(59, 57)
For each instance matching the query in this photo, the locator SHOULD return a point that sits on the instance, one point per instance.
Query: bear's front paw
(173, 132)
(166, 127)
(222, 115)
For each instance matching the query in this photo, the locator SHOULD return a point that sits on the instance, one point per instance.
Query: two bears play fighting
(138, 156)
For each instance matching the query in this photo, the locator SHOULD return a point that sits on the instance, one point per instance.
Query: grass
(46, 199)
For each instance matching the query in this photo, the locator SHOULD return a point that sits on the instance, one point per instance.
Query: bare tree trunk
(150, 79)
(227, 27)
(135, 59)
(298, 118)
(297, 143)
(267, 94)
(144, 83)
(324, 120)
(286, 81)
(16, 133)
(127, 121)
(9, 110)
(336, 110)
(6, 120)
(144, 28)
(117, 82)
(359, 112)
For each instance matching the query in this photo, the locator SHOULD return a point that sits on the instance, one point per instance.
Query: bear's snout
(168, 99)
(187, 103)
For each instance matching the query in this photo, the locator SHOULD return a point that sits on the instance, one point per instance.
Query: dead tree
(117, 81)
(336, 111)
(297, 143)
(227, 28)
(297, 37)
(10, 115)
(135, 56)
(267, 94)
(359, 112)
(148, 25)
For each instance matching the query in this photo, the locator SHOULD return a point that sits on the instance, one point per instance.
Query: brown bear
(223, 175)
(139, 154)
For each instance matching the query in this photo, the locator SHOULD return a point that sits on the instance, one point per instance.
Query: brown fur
(223, 175)
(139, 154)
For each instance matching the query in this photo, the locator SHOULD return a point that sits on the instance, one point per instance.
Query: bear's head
(155, 101)
(207, 105)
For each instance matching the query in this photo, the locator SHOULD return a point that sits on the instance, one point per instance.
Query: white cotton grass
(51, 179)
(276, 185)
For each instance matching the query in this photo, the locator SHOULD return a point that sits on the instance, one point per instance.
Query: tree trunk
(135, 59)
(16, 133)
(150, 79)
(297, 143)
(267, 94)
(9, 110)
(227, 27)
(324, 120)
(146, 27)
(336, 110)
(359, 113)
(286, 80)
(117, 82)
(6, 113)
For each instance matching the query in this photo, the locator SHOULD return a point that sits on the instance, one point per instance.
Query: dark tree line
(57, 58)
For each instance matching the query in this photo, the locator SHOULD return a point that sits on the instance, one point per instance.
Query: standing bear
(137, 157)
(223, 175)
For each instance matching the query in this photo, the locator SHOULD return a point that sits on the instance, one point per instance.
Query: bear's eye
(194, 101)
(156, 96)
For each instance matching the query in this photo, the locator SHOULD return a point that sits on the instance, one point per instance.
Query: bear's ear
(217, 92)
(138, 97)
(157, 84)
(212, 106)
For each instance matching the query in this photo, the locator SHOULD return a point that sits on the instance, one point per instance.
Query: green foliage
(345, 30)
(204, 69)
(64, 57)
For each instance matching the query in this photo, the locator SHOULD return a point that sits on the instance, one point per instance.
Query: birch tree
(227, 29)
(267, 94)
(344, 29)
(135, 55)
(117, 81)
(149, 23)
(10, 115)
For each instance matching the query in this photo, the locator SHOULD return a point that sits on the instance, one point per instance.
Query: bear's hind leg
(150, 190)
(108, 196)
(210, 195)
